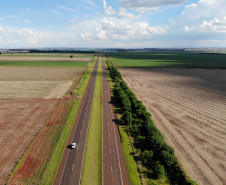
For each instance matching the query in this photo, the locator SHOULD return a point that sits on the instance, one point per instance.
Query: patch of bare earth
(189, 107)
(20, 121)
(28, 96)
(68, 59)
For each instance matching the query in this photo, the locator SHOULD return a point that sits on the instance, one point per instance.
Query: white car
(73, 145)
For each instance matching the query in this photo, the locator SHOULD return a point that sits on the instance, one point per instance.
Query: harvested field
(39, 73)
(36, 82)
(189, 107)
(34, 89)
(68, 59)
(20, 120)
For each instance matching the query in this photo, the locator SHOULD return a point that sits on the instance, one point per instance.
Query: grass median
(92, 168)
(51, 170)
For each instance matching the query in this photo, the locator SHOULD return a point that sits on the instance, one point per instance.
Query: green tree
(159, 170)
(166, 158)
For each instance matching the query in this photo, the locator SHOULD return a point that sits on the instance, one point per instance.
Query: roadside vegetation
(52, 167)
(156, 161)
(92, 168)
(173, 59)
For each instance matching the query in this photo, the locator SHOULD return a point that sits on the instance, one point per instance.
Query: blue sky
(112, 23)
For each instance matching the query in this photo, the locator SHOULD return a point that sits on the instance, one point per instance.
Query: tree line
(153, 151)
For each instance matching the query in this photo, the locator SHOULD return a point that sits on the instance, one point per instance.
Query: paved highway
(72, 170)
(114, 167)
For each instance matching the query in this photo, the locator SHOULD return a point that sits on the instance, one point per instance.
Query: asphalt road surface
(114, 167)
(72, 171)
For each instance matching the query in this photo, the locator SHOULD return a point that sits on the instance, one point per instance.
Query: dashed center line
(73, 167)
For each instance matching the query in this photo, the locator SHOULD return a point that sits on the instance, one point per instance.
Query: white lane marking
(108, 124)
(80, 132)
(73, 167)
(83, 121)
(110, 150)
(108, 135)
(111, 169)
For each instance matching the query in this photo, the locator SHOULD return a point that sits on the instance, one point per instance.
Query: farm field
(167, 60)
(28, 96)
(188, 107)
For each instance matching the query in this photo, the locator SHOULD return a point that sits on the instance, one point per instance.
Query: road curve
(114, 167)
(70, 169)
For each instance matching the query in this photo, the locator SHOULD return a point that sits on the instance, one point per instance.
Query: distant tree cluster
(154, 152)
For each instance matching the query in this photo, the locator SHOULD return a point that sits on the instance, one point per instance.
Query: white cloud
(124, 14)
(109, 11)
(146, 5)
(127, 30)
(214, 25)
(100, 33)
(187, 28)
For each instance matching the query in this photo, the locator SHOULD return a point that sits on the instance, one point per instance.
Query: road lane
(72, 171)
(113, 174)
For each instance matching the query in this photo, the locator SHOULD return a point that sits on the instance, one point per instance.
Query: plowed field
(28, 96)
(189, 107)
(20, 120)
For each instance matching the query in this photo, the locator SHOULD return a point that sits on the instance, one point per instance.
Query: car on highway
(73, 145)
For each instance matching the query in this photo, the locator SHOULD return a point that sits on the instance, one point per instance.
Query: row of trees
(154, 152)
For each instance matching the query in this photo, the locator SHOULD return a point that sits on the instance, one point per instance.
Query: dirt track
(189, 107)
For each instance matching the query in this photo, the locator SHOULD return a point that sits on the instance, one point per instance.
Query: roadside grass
(171, 59)
(43, 63)
(52, 167)
(130, 161)
(92, 168)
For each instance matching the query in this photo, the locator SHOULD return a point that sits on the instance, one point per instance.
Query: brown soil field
(189, 107)
(39, 153)
(39, 73)
(36, 82)
(46, 59)
(28, 96)
(34, 89)
(20, 120)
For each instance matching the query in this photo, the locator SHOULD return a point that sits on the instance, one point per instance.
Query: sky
(113, 23)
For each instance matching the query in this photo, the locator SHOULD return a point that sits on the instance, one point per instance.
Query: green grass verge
(130, 161)
(167, 59)
(92, 168)
(43, 63)
(51, 170)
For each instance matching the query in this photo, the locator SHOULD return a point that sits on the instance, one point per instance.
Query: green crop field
(43, 63)
(167, 59)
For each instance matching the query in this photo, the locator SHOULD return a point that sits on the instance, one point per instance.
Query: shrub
(159, 171)
(166, 158)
